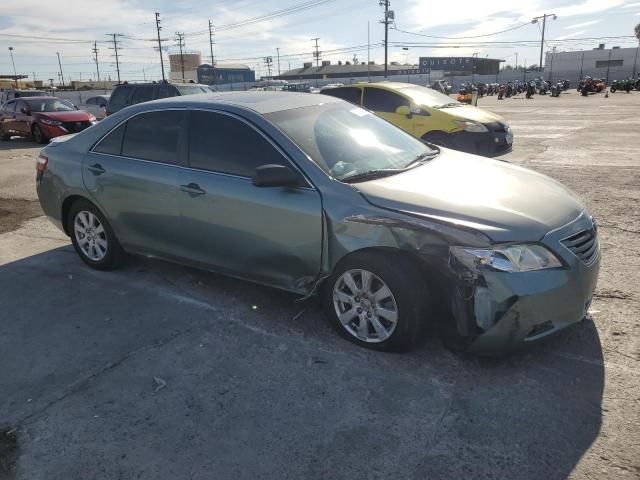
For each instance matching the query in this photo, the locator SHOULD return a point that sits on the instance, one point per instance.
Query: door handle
(193, 189)
(96, 169)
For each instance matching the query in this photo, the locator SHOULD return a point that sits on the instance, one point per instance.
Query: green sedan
(314, 195)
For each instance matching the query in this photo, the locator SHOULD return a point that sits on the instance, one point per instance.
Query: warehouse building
(613, 63)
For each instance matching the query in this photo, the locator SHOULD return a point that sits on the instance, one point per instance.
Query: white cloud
(574, 34)
(631, 5)
(580, 25)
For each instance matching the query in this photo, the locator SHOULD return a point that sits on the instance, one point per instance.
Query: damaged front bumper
(501, 311)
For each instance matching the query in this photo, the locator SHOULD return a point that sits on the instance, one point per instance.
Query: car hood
(505, 202)
(468, 112)
(74, 116)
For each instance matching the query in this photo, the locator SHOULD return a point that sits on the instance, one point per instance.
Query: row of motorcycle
(502, 90)
(625, 85)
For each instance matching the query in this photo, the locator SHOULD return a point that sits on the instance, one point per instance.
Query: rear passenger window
(112, 143)
(379, 100)
(154, 136)
(350, 94)
(142, 94)
(222, 143)
(165, 90)
(91, 101)
(119, 98)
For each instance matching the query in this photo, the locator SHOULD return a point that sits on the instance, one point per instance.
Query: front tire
(377, 301)
(93, 237)
(4, 136)
(38, 136)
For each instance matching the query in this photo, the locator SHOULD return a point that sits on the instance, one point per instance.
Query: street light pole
(473, 75)
(15, 75)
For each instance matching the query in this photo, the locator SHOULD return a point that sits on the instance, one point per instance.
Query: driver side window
(379, 100)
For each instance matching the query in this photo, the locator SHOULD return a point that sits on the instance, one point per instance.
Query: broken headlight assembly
(508, 258)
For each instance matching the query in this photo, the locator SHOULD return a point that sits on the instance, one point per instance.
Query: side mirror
(404, 110)
(104, 105)
(275, 176)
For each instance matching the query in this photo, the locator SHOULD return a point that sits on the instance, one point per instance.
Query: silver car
(97, 106)
(314, 195)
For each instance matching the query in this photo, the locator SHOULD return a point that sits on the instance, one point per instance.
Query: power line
(467, 37)
(269, 16)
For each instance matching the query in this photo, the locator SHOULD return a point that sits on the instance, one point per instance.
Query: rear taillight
(41, 163)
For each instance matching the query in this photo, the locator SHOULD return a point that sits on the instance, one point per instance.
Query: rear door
(8, 118)
(271, 235)
(134, 174)
(22, 122)
(384, 103)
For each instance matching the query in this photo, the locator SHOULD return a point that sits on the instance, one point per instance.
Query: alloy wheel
(90, 235)
(365, 306)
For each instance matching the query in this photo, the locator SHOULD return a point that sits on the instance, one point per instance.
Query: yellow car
(431, 116)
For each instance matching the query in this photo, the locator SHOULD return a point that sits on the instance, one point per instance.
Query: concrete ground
(163, 372)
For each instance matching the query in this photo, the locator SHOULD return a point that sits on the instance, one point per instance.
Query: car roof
(389, 85)
(260, 102)
(40, 97)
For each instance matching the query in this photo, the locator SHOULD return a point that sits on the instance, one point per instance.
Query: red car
(42, 118)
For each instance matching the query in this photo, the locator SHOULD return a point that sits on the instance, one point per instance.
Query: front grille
(74, 127)
(583, 245)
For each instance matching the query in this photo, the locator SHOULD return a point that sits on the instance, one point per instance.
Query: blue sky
(338, 23)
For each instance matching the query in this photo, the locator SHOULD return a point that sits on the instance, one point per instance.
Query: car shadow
(426, 414)
(19, 143)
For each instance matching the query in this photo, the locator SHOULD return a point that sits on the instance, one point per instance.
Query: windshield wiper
(449, 105)
(422, 157)
(371, 174)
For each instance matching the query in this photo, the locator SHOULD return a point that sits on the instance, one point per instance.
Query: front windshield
(50, 105)
(428, 97)
(347, 141)
(192, 89)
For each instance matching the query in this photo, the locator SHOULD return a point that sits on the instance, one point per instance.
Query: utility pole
(211, 44)
(158, 28)
(15, 75)
(115, 49)
(473, 75)
(60, 65)
(388, 17)
(368, 54)
(316, 52)
(635, 62)
(180, 40)
(516, 61)
(608, 66)
(268, 61)
(544, 25)
(278, 54)
(95, 59)
(581, 65)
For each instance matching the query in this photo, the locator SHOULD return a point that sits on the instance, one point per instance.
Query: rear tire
(93, 237)
(377, 301)
(38, 136)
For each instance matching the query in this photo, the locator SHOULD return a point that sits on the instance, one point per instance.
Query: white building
(615, 63)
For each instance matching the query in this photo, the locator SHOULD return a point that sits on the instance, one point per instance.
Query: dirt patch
(9, 453)
(13, 212)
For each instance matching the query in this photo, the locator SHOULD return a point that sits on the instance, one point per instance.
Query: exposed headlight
(509, 258)
(472, 127)
(50, 122)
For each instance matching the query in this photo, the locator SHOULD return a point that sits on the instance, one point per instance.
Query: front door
(385, 103)
(22, 122)
(134, 174)
(267, 234)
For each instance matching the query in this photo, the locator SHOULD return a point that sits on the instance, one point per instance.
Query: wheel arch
(65, 208)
